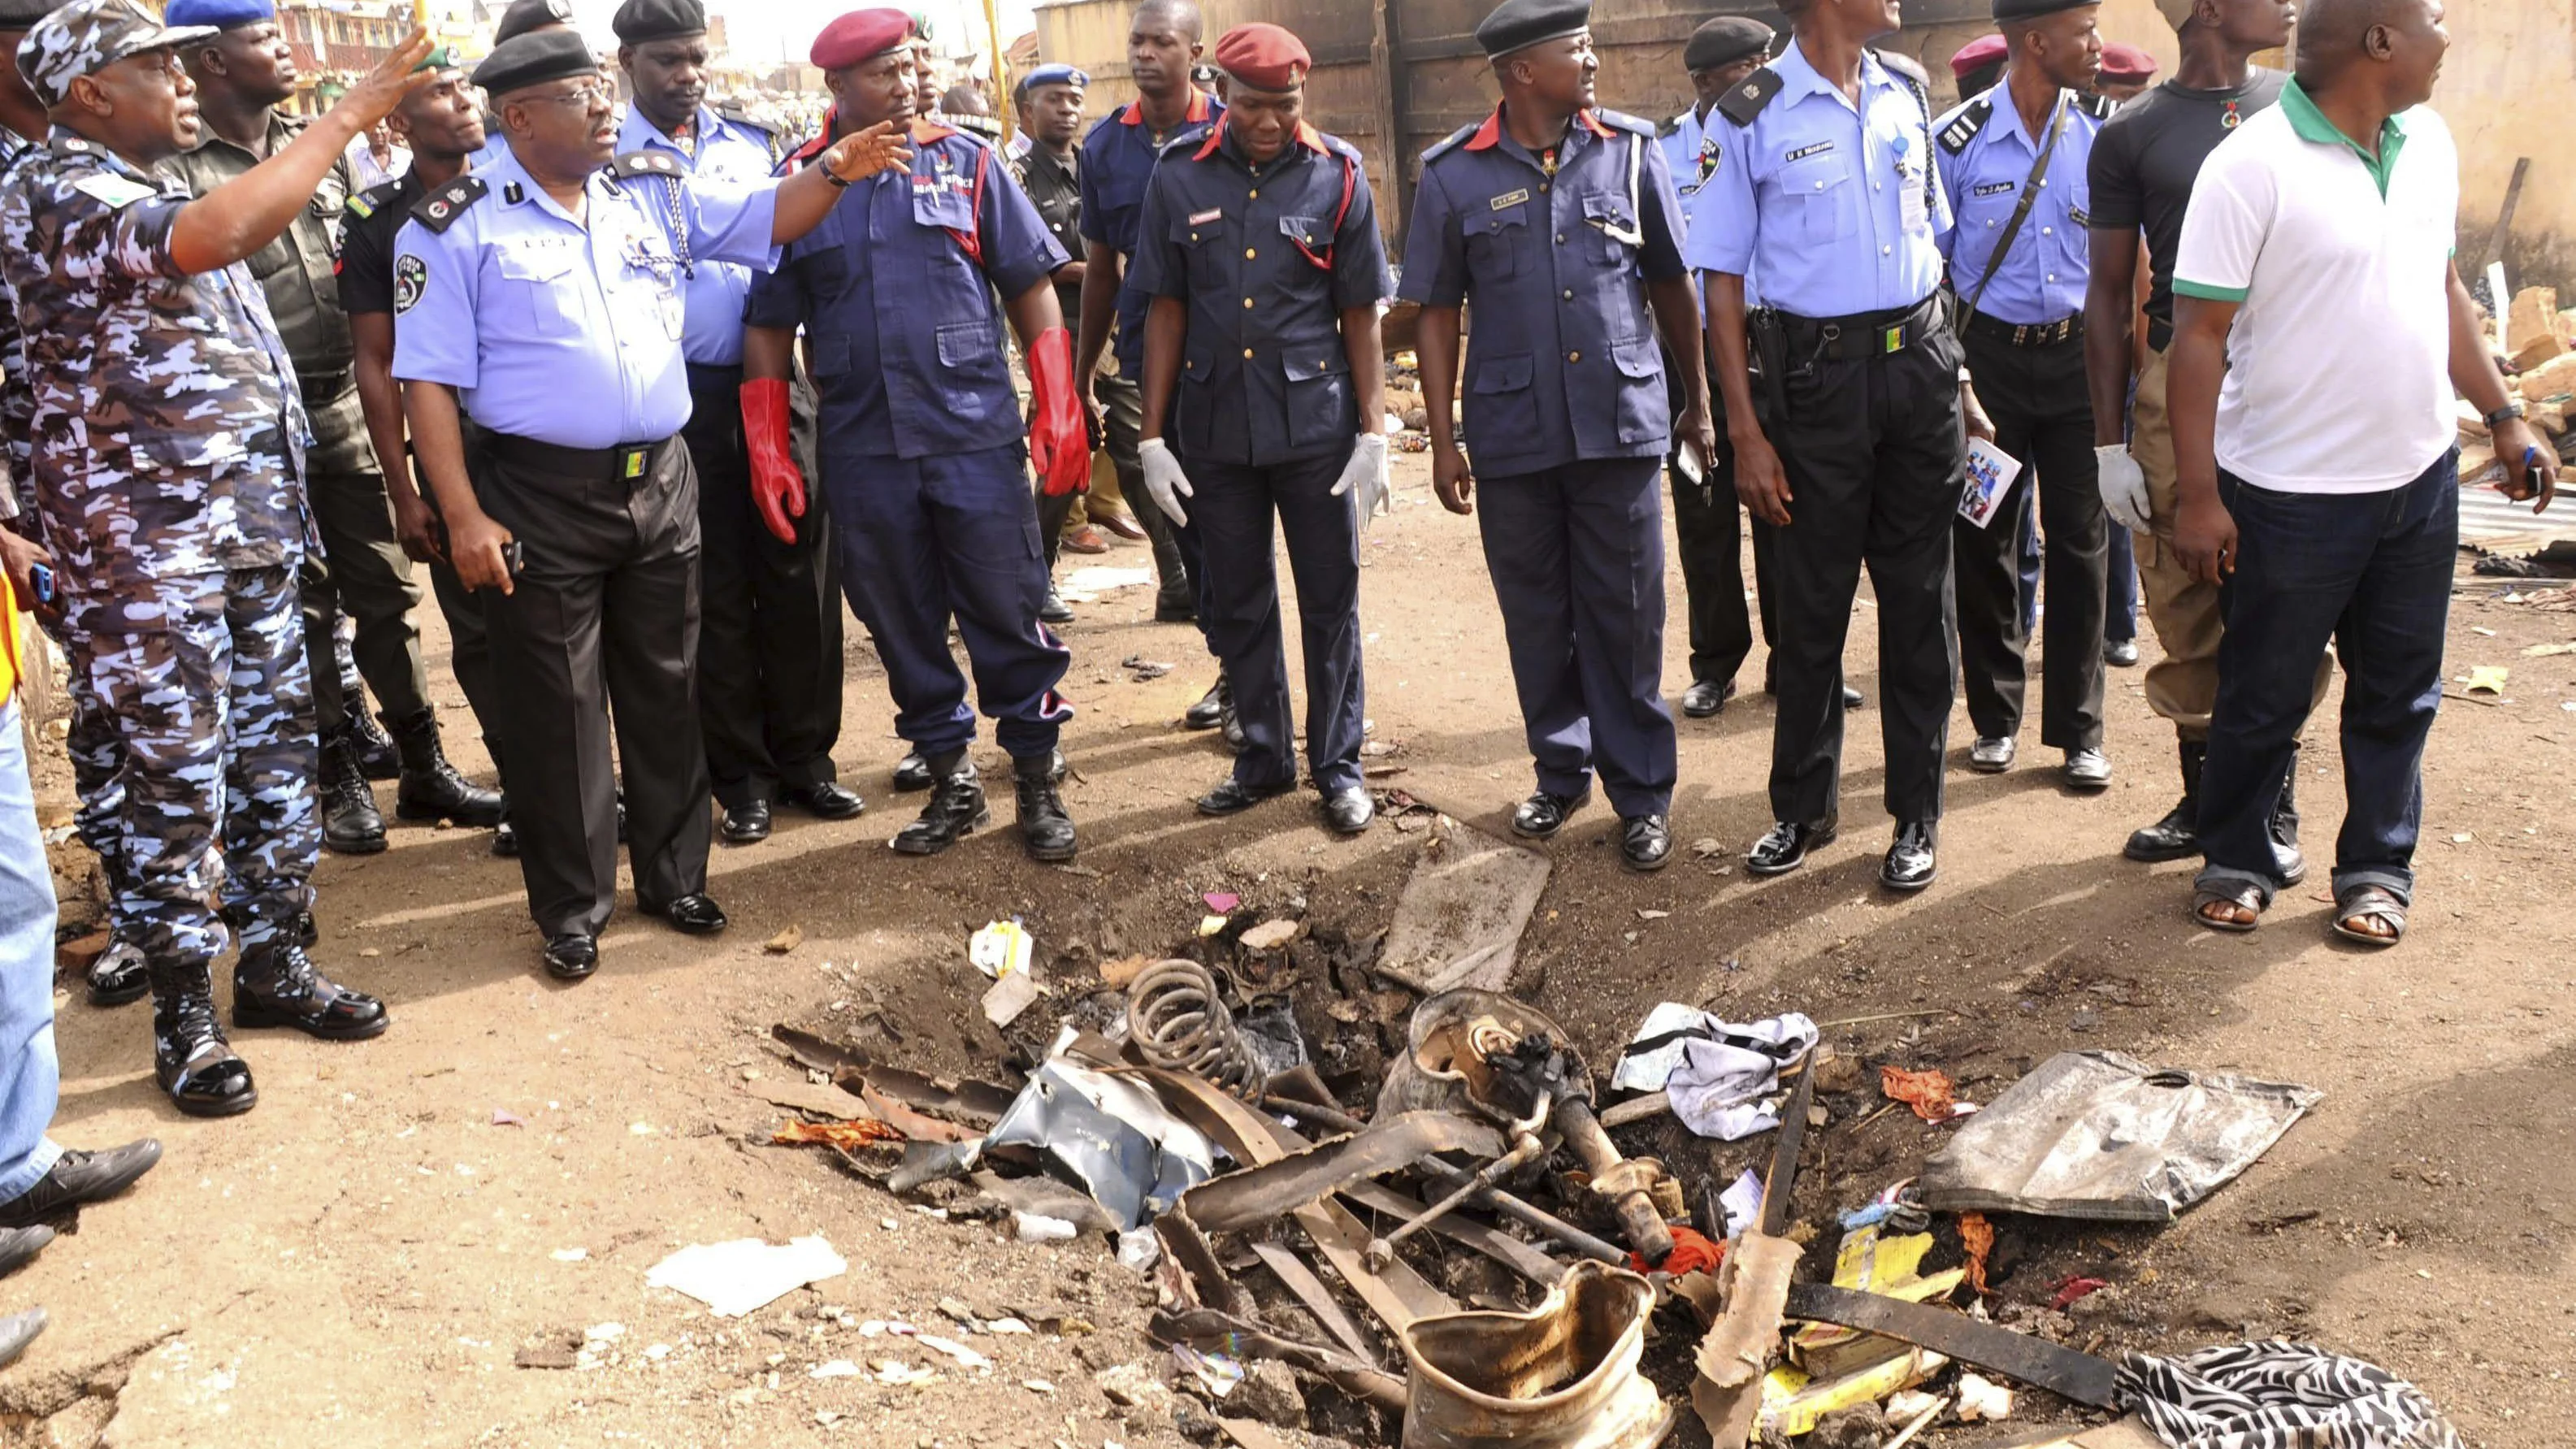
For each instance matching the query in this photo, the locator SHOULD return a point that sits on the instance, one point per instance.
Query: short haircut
(1184, 15)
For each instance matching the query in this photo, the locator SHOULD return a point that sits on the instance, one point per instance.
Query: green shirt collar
(2311, 125)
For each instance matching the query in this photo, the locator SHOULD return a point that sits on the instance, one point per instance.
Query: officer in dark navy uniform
(1259, 247)
(1558, 223)
(1857, 453)
(921, 441)
(544, 298)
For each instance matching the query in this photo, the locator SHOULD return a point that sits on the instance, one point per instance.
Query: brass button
(1569, 294)
(1560, 238)
(1254, 192)
(1194, 236)
(1542, 188)
(1249, 254)
(1247, 304)
(1326, 363)
(1574, 356)
(1247, 352)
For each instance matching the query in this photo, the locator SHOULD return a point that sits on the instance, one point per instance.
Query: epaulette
(645, 163)
(733, 112)
(1906, 66)
(1452, 142)
(1672, 127)
(1189, 139)
(1340, 147)
(374, 199)
(1745, 102)
(439, 210)
(2099, 107)
(1963, 128)
(1625, 122)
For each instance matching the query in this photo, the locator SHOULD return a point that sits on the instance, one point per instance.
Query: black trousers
(2044, 417)
(469, 639)
(1232, 514)
(1876, 457)
(1708, 534)
(769, 662)
(605, 616)
(367, 575)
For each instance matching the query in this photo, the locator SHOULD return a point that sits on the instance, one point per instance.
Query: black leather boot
(431, 788)
(190, 1057)
(276, 985)
(1045, 828)
(377, 755)
(2177, 836)
(1176, 601)
(956, 809)
(351, 824)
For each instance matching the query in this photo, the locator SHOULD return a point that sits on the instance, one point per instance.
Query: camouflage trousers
(213, 719)
(97, 752)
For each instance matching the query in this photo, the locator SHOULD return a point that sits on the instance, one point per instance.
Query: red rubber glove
(1059, 440)
(777, 486)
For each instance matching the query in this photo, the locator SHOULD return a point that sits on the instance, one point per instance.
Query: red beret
(2126, 63)
(1264, 57)
(859, 36)
(1984, 50)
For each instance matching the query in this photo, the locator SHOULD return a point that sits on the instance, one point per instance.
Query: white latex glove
(1367, 469)
(1164, 478)
(2124, 488)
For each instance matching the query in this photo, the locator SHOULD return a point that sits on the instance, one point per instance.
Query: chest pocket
(1613, 227)
(1495, 240)
(1821, 191)
(537, 286)
(1202, 248)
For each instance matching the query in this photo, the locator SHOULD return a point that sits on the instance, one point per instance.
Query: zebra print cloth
(2279, 1395)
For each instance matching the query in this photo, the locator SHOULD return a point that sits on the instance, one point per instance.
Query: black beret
(2034, 9)
(21, 14)
(638, 21)
(526, 15)
(530, 60)
(1520, 24)
(1724, 41)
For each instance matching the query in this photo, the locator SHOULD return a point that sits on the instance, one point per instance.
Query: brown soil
(362, 1259)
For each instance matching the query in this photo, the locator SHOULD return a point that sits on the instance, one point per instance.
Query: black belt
(705, 377)
(627, 463)
(2036, 334)
(1869, 334)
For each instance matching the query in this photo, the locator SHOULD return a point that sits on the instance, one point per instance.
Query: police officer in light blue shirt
(1850, 442)
(769, 661)
(524, 17)
(543, 296)
(1557, 223)
(2012, 163)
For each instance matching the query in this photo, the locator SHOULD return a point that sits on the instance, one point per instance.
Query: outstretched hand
(862, 154)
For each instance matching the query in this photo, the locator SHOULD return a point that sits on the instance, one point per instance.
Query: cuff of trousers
(2226, 878)
(22, 1178)
(2394, 880)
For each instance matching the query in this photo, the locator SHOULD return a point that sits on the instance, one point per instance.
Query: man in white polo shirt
(2319, 485)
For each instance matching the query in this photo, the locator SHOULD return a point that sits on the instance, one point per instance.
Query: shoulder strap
(644, 163)
(2029, 198)
(1449, 143)
(1972, 118)
(439, 209)
(1746, 101)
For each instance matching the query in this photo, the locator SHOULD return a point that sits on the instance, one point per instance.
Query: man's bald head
(2395, 45)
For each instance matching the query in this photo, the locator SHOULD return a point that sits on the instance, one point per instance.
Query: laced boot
(1045, 828)
(351, 824)
(377, 755)
(190, 1057)
(2177, 836)
(276, 985)
(431, 788)
(956, 809)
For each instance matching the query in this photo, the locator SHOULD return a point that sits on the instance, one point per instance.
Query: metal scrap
(1560, 1376)
(1206, 1328)
(1256, 1195)
(1739, 1347)
(2032, 1360)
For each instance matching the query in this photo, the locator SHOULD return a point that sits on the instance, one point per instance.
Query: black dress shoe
(1176, 606)
(17, 1331)
(19, 1247)
(571, 957)
(912, 773)
(696, 915)
(1209, 712)
(830, 800)
(1914, 860)
(1544, 814)
(1706, 698)
(956, 810)
(1785, 848)
(2177, 836)
(1349, 810)
(277, 985)
(505, 840)
(80, 1177)
(118, 975)
(745, 824)
(1054, 610)
(1046, 829)
(1645, 843)
(1233, 797)
(2120, 653)
(621, 820)
(1852, 699)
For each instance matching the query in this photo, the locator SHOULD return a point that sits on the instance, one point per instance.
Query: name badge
(1510, 198)
(1996, 188)
(1803, 152)
(1202, 218)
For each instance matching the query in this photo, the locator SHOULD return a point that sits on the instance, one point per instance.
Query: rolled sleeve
(734, 221)
(1435, 258)
(1360, 278)
(1726, 224)
(1660, 219)
(434, 340)
(1018, 251)
(1158, 269)
(2222, 234)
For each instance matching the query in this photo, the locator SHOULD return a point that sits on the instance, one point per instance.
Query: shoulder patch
(1906, 66)
(411, 280)
(1745, 102)
(645, 163)
(2099, 107)
(1623, 121)
(1451, 142)
(1963, 128)
(374, 199)
(439, 209)
(110, 189)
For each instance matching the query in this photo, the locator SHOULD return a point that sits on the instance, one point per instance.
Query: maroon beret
(861, 35)
(1984, 50)
(2126, 63)
(1264, 57)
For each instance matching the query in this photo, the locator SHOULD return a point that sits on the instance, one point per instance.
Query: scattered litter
(847, 1136)
(1007, 999)
(502, 1117)
(966, 1357)
(839, 1368)
(2488, 679)
(1929, 1093)
(1647, 915)
(1723, 1079)
(556, 1348)
(1977, 1240)
(1145, 669)
(1001, 949)
(2102, 1135)
(1562, 1374)
(1037, 1386)
(570, 1255)
(1102, 579)
(1008, 1328)
(605, 1332)
(1269, 935)
(1692, 1253)
(1223, 903)
(2278, 1395)
(1460, 918)
(2073, 1289)
(1708, 847)
(1213, 926)
(1983, 1401)
(1109, 1136)
(2544, 651)
(1033, 1228)
(782, 943)
(1216, 1372)
(1742, 1203)
(896, 1371)
(1116, 974)
(734, 1278)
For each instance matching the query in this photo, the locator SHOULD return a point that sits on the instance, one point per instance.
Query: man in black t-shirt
(442, 123)
(2144, 163)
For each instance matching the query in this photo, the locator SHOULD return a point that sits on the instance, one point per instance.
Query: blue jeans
(30, 1076)
(2372, 573)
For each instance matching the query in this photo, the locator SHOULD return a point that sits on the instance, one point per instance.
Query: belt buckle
(2021, 335)
(631, 463)
(1891, 340)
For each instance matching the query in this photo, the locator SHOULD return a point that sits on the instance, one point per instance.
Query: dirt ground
(362, 1259)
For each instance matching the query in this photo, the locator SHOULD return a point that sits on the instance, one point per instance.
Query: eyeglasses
(585, 95)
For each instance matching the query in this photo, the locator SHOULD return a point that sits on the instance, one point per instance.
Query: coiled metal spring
(1182, 1025)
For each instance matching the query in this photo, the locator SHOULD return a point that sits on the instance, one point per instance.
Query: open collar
(1134, 115)
(2311, 125)
(1799, 79)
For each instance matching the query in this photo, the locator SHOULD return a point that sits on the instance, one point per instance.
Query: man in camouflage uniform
(242, 72)
(168, 455)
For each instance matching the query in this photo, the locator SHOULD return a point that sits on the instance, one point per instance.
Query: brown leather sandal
(2370, 903)
(2242, 897)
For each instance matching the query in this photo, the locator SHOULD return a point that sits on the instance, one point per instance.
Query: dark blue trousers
(927, 540)
(1239, 608)
(1577, 555)
(2120, 621)
(2372, 573)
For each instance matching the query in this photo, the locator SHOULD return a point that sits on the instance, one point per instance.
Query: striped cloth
(2279, 1395)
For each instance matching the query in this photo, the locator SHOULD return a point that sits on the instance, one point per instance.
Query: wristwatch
(2509, 412)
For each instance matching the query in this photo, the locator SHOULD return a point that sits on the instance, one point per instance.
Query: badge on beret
(411, 279)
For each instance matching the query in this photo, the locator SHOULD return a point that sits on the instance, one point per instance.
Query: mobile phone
(515, 554)
(41, 579)
(2533, 480)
